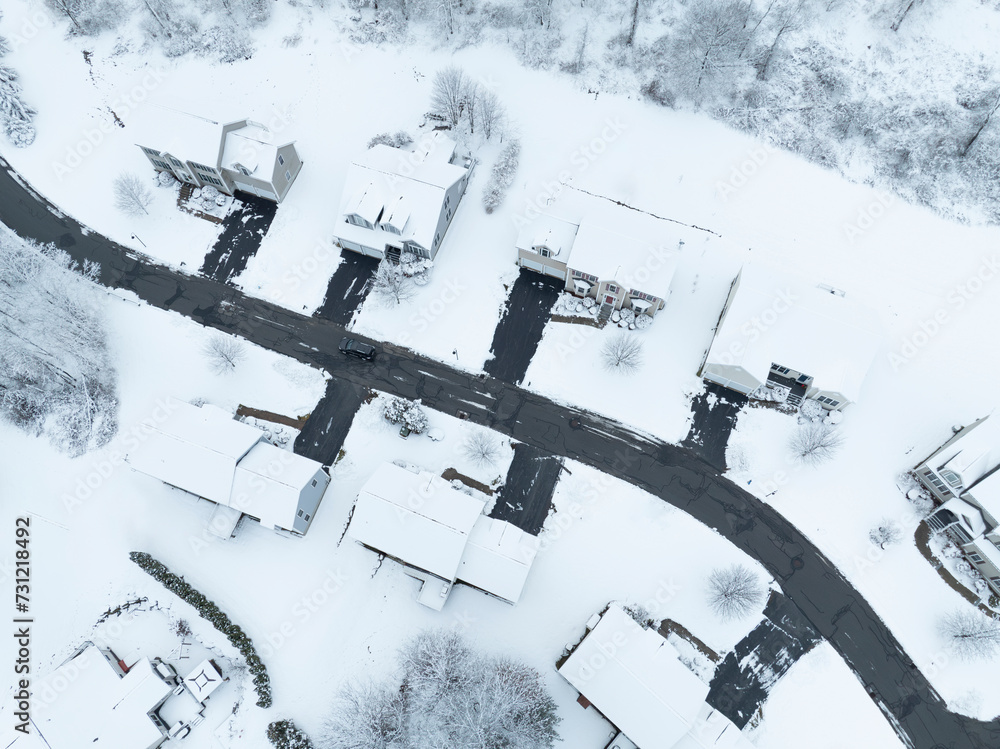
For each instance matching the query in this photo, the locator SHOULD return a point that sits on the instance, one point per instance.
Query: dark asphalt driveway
(675, 474)
(714, 413)
(526, 496)
(516, 337)
(326, 429)
(348, 288)
(242, 232)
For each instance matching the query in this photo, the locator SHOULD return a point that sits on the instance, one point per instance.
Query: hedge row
(284, 735)
(210, 612)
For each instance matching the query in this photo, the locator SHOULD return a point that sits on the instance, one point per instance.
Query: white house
(231, 156)
(796, 339)
(963, 475)
(397, 200)
(608, 252)
(440, 535)
(204, 451)
(635, 679)
(96, 700)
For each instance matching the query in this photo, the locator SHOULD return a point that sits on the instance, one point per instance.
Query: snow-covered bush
(449, 696)
(402, 411)
(502, 176)
(56, 376)
(814, 443)
(391, 285)
(734, 592)
(482, 447)
(417, 268)
(211, 613)
(165, 179)
(622, 353)
(643, 321)
(399, 139)
(283, 734)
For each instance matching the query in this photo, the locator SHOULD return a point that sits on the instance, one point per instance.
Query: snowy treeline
(216, 28)
(502, 176)
(15, 115)
(56, 376)
(450, 697)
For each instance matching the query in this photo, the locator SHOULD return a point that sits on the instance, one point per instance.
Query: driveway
(348, 288)
(326, 429)
(526, 497)
(242, 232)
(747, 674)
(714, 413)
(516, 337)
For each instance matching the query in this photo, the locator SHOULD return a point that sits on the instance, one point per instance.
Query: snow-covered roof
(196, 449)
(268, 484)
(418, 518)
(548, 231)
(969, 513)
(94, 707)
(253, 147)
(972, 454)
(606, 248)
(188, 137)
(778, 319)
(203, 680)
(637, 681)
(498, 558)
(713, 730)
(383, 178)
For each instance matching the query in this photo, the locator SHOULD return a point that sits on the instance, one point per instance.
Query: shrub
(211, 613)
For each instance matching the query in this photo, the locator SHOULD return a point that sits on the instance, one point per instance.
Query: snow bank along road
(675, 474)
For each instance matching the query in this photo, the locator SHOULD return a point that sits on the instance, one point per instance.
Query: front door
(393, 253)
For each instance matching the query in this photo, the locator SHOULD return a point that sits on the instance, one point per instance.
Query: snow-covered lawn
(843, 715)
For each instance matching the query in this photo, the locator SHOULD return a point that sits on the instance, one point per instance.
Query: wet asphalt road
(675, 474)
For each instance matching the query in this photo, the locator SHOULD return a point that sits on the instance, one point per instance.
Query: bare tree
(491, 113)
(971, 634)
(630, 37)
(982, 126)
(622, 353)
(448, 93)
(903, 10)
(734, 592)
(56, 376)
(815, 443)
(482, 448)
(369, 716)
(470, 102)
(886, 533)
(391, 284)
(224, 353)
(131, 195)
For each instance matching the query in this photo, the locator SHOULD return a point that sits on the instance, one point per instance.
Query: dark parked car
(356, 348)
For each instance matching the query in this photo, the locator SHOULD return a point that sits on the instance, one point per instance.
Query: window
(995, 580)
(976, 558)
(204, 168)
(174, 161)
(288, 176)
(951, 477)
(358, 221)
(281, 160)
(543, 251)
(301, 512)
(161, 164)
(244, 171)
(612, 289)
(307, 517)
(780, 370)
(314, 482)
(150, 151)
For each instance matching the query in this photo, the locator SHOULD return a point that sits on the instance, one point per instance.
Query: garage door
(560, 274)
(260, 192)
(532, 265)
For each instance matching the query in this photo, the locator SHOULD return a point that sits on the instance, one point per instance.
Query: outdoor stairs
(605, 313)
